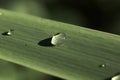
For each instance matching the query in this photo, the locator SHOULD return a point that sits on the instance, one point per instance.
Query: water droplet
(58, 38)
(102, 65)
(8, 33)
(53, 41)
(117, 77)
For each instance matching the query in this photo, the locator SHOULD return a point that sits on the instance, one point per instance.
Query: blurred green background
(101, 15)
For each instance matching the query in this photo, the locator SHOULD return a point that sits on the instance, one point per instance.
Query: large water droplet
(117, 77)
(53, 41)
(58, 38)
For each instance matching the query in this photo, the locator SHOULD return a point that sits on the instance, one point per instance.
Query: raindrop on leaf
(102, 65)
(8, 33)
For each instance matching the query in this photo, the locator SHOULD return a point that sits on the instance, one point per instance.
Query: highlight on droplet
(102, 65)
(58, 38)
(117, 77)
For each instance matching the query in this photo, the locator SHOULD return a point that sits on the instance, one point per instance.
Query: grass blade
(79, 57)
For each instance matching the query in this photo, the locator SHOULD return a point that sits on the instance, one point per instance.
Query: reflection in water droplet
(9, 33)
(58, 38)
(117, 77)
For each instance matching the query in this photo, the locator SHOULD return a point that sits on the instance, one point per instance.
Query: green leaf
(79, 58)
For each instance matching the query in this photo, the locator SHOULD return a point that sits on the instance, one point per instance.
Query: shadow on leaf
(46, 42)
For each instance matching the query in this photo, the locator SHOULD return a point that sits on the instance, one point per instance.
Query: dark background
(102, 15)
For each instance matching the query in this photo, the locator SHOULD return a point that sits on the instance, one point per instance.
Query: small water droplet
(102, 65)
(8, 33)
(117, 77)
(58, 38)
